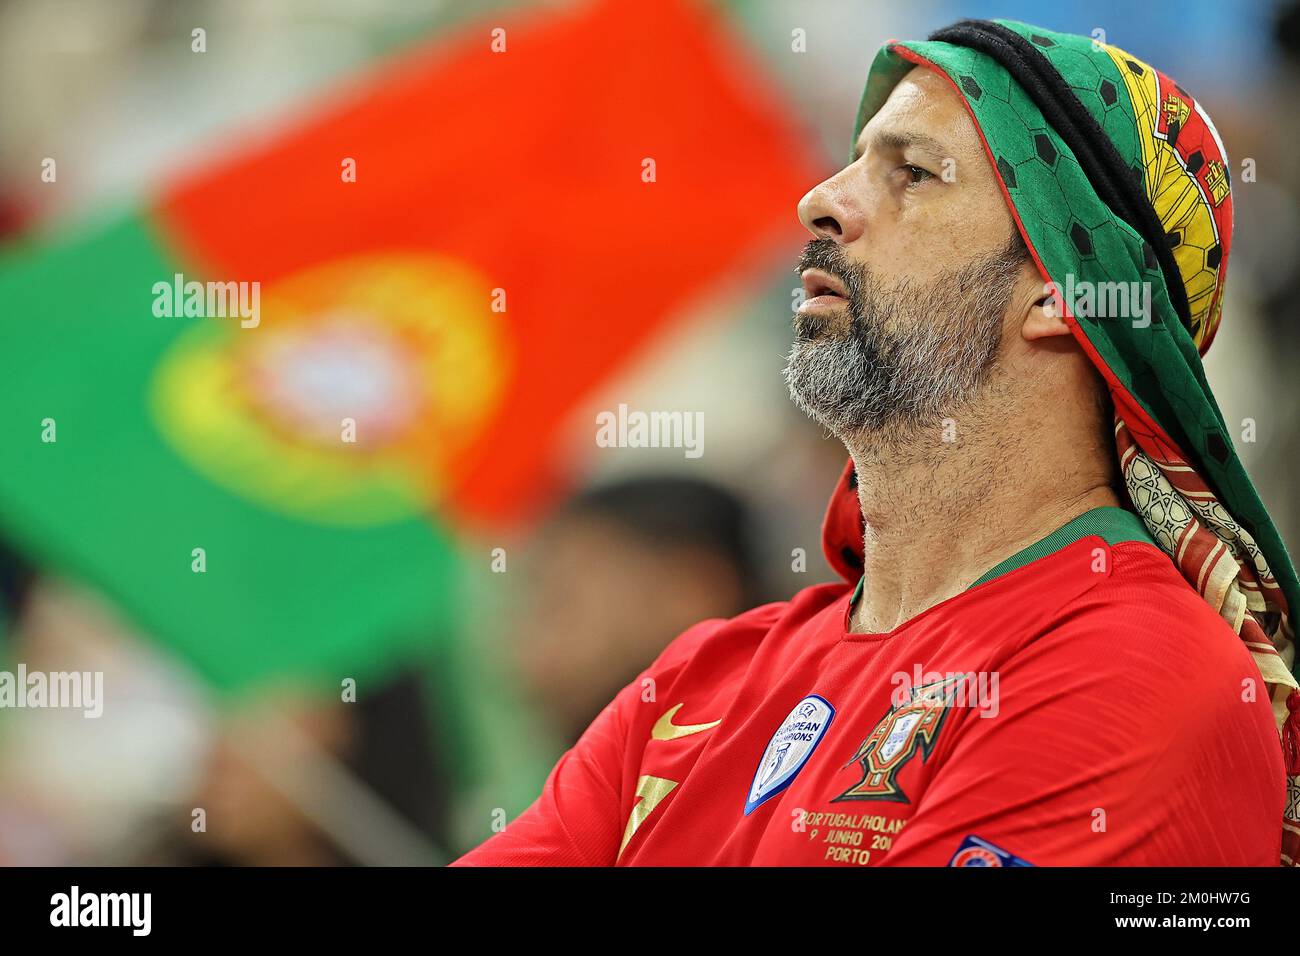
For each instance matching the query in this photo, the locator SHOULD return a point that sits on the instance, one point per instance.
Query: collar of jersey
(1112, 525)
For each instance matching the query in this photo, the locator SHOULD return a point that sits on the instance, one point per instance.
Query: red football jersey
(1080, 705)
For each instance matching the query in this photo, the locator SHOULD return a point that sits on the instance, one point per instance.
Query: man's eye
(915, 174)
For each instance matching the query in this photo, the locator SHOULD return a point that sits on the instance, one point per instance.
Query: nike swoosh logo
(665, 729)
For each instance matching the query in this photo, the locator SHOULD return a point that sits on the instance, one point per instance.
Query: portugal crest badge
(896, 739)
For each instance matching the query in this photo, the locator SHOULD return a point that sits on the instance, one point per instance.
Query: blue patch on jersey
(789, 749)
(976, 852)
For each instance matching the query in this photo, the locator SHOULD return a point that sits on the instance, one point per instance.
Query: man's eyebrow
(899, 140)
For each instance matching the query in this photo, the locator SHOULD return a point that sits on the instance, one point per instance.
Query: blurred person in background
(76, 788)
(619, 572)
(287, 775)
(270, 800)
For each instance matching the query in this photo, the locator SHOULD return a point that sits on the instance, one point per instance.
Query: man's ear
(1045, 316)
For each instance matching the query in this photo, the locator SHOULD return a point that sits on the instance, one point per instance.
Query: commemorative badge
(789, 749)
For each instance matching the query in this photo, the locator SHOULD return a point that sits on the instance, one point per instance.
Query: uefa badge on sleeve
(976, 852)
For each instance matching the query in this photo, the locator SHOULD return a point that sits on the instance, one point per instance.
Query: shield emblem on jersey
(899, 736)
(789, 749)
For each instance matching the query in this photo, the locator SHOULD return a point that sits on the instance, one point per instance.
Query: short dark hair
(672, 512)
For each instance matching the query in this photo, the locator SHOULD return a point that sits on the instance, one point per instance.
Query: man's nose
(830, 211)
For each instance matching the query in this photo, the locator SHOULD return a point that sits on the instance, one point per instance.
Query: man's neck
(938, 517)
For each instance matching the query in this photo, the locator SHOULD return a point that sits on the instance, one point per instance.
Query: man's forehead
(899, 139)
(922, 111)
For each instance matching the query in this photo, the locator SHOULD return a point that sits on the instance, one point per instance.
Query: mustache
(827, 255)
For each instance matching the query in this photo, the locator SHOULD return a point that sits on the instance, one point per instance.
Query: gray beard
(913, 355)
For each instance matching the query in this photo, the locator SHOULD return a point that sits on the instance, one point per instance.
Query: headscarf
(1115, 174)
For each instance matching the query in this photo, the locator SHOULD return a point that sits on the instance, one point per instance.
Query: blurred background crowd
(253, 751)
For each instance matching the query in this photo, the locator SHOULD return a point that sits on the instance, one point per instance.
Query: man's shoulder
(1142, 662)
(1145, 592)
(1145, 624)
(725, 642)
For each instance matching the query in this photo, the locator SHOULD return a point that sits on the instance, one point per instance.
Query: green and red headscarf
(1115, 174)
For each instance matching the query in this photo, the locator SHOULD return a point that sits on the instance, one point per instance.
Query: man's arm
(580, 817)
(575, 822)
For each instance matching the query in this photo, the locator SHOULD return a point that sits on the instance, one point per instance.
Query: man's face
(908, 280)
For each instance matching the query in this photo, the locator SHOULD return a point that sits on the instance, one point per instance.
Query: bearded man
(1062, 636)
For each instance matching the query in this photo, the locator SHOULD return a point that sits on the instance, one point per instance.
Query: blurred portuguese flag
(450, 252)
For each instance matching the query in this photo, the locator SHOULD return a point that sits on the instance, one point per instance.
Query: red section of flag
(527, 164)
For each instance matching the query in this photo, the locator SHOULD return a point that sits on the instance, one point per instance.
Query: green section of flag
(112, 503)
